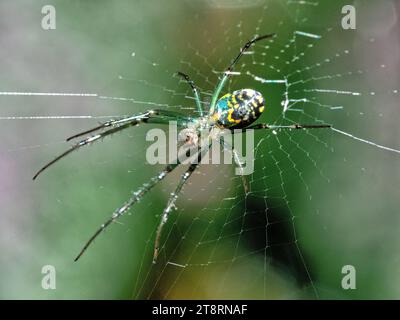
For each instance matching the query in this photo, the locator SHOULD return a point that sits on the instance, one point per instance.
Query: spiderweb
(292, 234)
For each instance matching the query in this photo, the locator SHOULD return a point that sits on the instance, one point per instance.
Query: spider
(237, 110)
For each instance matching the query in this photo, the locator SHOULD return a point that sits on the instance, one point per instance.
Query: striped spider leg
(150, 116)
(136, 196)
(174, 197)
(292, 126)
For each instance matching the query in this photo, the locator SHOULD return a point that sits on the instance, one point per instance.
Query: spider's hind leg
(127, 205)
(291, 126)
(172, 200)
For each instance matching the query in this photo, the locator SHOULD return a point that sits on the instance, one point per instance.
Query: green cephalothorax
(238, 109)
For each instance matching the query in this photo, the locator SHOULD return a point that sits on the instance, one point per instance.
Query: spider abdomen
(239, 109)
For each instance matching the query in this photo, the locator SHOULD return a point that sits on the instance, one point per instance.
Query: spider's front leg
(151, 116)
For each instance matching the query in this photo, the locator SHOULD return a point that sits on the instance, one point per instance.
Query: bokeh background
(319, 200)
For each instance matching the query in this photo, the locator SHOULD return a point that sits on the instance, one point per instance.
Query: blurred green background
(319, 200)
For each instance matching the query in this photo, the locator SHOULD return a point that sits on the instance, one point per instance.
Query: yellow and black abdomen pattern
(238, 109)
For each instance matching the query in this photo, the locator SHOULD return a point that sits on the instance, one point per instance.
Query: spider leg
(135, 198)
(151, 116)
(293, 126)
(172, 200)
(245, 181)
(195, 91)
(228, 71)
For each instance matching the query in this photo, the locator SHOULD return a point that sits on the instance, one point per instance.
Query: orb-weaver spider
(232, 111)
